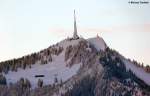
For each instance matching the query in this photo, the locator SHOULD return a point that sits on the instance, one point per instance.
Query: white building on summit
(75, 35)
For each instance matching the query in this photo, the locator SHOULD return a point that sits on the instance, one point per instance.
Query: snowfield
(139, 72)
(57, 68)
(98, 43)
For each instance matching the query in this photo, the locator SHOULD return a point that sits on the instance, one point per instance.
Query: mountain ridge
(67, 65)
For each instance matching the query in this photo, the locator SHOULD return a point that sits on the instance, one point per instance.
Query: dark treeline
(43, 57)
(141, 65)
(111, 59)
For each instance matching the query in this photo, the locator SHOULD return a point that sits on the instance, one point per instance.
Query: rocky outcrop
(75, 54)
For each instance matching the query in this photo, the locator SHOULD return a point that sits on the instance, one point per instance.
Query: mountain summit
(74, 67)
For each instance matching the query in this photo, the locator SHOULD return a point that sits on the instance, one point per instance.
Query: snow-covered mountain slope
(83, 70)
(58, 66)
(100, 44)
(138, 71)
(54, 69)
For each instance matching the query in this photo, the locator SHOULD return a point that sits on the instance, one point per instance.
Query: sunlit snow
(56, 68)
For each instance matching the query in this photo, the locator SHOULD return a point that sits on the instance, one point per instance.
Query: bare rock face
(68, 52)
(55, 50)
(46, 55)
(74, 54)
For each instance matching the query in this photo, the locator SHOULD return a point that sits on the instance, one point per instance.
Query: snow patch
(98, 43)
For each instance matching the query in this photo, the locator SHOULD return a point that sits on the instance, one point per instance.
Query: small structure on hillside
(36, 76)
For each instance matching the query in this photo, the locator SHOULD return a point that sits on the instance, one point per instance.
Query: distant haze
(28, 26)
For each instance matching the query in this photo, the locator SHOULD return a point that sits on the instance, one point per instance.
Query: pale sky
(28, 26)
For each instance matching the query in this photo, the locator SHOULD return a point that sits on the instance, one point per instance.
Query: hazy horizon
(27, 26)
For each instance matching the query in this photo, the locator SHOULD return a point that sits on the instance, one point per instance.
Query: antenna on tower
(75, 35)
